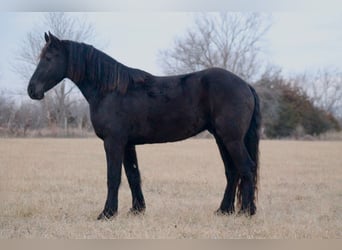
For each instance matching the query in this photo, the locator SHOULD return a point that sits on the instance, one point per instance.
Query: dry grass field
(55, 188)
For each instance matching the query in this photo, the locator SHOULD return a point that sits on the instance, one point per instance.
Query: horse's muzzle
(34, 93)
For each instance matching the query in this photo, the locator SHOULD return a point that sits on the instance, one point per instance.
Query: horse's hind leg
(227, 204)
(134, 180)
(244, 165)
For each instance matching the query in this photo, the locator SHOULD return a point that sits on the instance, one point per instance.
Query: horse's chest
(104, 122)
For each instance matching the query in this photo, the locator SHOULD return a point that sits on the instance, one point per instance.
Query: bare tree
(226, 40)
(326, 90)
(63, 26)
(324, 87)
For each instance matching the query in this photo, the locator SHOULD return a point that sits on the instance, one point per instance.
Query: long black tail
(252, 139)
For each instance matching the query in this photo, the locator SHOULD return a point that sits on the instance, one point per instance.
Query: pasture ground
(55, 188)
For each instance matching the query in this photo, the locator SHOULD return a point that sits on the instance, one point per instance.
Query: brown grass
(55, 188)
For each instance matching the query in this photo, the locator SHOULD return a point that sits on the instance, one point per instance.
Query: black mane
(89, 63)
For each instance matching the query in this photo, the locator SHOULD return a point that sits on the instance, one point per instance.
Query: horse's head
(51, 69)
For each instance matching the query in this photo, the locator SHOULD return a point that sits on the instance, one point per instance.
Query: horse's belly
(169, 129)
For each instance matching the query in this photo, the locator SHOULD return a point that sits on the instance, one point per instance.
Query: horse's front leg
(114, 154)
(134, 179)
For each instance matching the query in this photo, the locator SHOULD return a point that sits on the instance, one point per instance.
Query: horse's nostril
(30, 90)
(34, 93)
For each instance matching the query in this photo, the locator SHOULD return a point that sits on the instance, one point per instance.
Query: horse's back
(214, 91)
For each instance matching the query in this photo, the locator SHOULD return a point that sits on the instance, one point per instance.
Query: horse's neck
(89, 91)
(87, 87)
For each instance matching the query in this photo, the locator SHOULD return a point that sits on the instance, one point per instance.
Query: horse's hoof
(221, 212)
(106, 215)
(135, 211)
(248, 212)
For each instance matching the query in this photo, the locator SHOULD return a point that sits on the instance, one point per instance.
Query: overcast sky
(296, 41)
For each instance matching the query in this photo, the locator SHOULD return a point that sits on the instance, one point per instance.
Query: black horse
(130, 107)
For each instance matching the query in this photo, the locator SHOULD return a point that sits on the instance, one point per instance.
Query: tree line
(30, 118)
(289, 111)
(305, 104)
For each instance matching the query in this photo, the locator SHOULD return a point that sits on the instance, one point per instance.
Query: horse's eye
(47, 58)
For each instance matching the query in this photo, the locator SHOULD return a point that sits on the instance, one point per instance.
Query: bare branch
(325, 89)
(226, 40)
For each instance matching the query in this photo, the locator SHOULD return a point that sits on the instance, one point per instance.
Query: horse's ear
(54, 40)
(46, 37)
